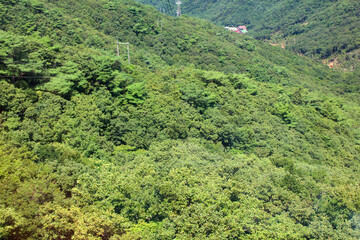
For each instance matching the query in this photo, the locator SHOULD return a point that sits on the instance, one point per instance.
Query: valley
(118, 121)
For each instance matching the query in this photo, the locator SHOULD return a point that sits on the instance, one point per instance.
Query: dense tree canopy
(326, 29)
(206, 135)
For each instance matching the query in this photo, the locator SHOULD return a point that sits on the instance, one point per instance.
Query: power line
(128, 49)
(13, 77)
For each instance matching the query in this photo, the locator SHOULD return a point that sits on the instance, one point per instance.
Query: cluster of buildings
(239, 29)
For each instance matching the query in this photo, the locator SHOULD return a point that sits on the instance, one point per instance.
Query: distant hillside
(322, 29)
(207, 134)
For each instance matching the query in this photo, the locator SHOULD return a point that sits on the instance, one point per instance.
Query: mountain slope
(324, 29)
(207, 134)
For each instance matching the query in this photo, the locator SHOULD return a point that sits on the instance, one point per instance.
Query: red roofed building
(239, 29)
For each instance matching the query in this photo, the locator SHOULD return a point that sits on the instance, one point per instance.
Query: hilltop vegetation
(206, 135)
(321, 29)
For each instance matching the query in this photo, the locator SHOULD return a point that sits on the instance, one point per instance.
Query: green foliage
(67, 75)
(323, 30)
(206, 135)
(135, 93)
(73, 223)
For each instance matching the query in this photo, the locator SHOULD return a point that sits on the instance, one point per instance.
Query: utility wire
(13, 77)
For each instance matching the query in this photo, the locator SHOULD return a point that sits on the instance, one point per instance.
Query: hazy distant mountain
(325, 29)
(205, 134)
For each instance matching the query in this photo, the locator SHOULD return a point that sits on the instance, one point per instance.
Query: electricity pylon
(178, 11)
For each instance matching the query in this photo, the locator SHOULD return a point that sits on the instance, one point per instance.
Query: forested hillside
(205, 135)
(325, 29)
